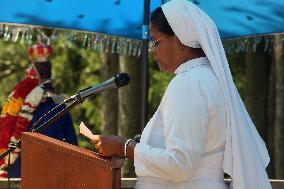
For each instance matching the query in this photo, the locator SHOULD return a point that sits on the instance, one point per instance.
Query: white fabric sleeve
(185, 114)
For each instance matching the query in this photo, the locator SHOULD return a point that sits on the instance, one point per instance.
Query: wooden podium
(48, 163)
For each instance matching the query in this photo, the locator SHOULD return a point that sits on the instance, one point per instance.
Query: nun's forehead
(181, 15)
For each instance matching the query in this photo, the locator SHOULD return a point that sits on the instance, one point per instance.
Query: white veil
(245, 156)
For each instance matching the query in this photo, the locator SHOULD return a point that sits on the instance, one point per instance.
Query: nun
(201, 128)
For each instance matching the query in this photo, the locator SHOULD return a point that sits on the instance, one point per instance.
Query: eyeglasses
(156, 42)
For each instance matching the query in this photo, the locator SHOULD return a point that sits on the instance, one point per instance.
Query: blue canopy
(234, 18)
(125, 18)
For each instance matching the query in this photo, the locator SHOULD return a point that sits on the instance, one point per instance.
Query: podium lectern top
(50, 163)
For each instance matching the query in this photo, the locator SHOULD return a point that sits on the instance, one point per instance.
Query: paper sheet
(86, 132)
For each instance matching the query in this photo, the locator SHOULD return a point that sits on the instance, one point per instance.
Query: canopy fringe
(113, 44)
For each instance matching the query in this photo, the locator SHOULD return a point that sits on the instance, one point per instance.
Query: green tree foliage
(74, 68)
(13, 62)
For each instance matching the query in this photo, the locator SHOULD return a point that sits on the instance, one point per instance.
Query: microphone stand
(74, 100)
(118, 81)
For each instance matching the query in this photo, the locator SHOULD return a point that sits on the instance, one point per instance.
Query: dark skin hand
(111, 145)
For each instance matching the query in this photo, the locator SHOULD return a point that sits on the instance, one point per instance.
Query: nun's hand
(109, 145)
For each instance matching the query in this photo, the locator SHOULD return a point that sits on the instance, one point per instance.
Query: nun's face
(163, 49)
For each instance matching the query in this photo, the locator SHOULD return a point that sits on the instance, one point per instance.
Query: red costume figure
(17, 111)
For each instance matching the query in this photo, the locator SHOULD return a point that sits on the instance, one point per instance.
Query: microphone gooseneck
(119, 80)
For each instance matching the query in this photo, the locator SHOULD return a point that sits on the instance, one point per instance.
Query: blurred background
(257, 65)
(110, 42)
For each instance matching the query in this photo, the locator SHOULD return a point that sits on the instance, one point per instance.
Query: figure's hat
(40, 52)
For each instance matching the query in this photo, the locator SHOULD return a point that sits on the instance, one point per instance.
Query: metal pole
(145, 71)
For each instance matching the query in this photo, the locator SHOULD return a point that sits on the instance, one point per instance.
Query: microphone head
(121, 79)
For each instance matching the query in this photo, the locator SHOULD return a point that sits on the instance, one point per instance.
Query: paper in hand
(86, 132)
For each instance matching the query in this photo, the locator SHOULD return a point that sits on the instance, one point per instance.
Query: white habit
(182, 146)
(193, 107)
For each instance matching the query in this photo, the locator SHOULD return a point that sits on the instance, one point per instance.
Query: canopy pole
(145, 69)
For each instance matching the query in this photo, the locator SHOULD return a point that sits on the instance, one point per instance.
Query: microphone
(119, 80)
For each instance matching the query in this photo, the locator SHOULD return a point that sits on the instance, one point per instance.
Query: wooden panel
(50, 163)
